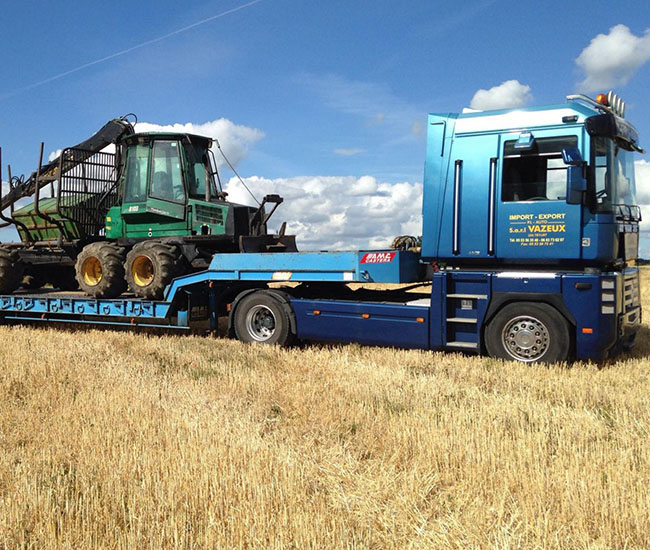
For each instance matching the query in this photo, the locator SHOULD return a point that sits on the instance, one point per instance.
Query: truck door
(532, 217)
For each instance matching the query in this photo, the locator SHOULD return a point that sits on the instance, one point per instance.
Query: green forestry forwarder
(138, 217)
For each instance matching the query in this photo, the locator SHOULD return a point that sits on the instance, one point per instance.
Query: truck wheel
(11, 270)
(100, 270)
(261, 318)
(151, 266)
(529, 332)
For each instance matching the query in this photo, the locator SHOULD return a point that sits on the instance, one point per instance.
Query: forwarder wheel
(529, 332)
(151, 266)
(100, 270)
(260, 317)
(11, 270)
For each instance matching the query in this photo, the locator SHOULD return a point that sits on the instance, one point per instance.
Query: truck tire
(261, 318)
(151, 266)
(11, 270)
(530, 332)
(100, 270)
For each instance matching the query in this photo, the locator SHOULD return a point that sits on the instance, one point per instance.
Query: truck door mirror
(576, 183)
(572, 156)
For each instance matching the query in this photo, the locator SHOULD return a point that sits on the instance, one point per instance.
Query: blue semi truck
(528, 253)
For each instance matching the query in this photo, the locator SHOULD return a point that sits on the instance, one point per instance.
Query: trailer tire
(530, 332)
(99, 270)
(151, 266)
(260, 317)
(11, 270)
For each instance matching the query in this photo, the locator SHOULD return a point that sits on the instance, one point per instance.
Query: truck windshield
(613, 175)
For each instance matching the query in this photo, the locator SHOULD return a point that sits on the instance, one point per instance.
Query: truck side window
(538, 174)
(600, 148)
(166, 176)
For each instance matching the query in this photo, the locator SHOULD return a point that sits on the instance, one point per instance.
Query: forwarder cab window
(166, 176)
(538, 174)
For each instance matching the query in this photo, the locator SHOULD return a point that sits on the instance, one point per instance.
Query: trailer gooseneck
(530, 236)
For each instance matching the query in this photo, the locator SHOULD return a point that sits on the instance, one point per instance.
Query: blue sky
(324, 102)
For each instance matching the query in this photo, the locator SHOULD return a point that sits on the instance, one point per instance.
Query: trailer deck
(452, 315)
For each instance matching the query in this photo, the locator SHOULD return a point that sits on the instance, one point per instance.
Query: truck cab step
(468, 320)
(462, 345)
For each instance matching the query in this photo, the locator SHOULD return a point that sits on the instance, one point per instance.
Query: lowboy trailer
(549, 316)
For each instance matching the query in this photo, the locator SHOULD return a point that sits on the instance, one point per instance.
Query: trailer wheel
(99, 269)
(151, 266)
(11, 270)
(529, 332)
(261, 318)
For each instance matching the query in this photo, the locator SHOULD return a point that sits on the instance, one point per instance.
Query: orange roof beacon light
(615, 104)
(602, 99)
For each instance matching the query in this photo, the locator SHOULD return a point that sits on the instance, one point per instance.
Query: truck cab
(543, 201)
(519, 187)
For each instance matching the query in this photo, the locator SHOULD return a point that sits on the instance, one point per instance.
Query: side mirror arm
(576, 182)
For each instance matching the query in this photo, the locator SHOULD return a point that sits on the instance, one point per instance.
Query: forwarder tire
(11, 270)
(261, 318)
(530, 332)
(100, 270)
(151, 266)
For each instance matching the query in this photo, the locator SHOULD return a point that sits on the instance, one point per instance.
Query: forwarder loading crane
(151, 211)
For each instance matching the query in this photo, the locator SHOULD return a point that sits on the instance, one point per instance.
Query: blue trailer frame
(600, 309)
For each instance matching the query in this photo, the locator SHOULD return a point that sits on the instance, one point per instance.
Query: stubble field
(123, 440)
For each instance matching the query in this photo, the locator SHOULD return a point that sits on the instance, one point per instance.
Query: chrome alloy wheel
(525, 338)
(260, 323)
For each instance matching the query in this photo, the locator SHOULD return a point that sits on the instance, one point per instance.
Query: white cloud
(507, 95)
(235, 139)
(349, 152)
(328, 212)
(54, 155)
(612, 59)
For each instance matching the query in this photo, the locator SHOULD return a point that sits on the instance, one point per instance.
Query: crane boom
(110, 133)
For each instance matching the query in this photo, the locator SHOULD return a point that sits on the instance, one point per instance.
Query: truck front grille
(631, 296)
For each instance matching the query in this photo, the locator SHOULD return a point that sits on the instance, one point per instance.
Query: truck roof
(523, 117)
